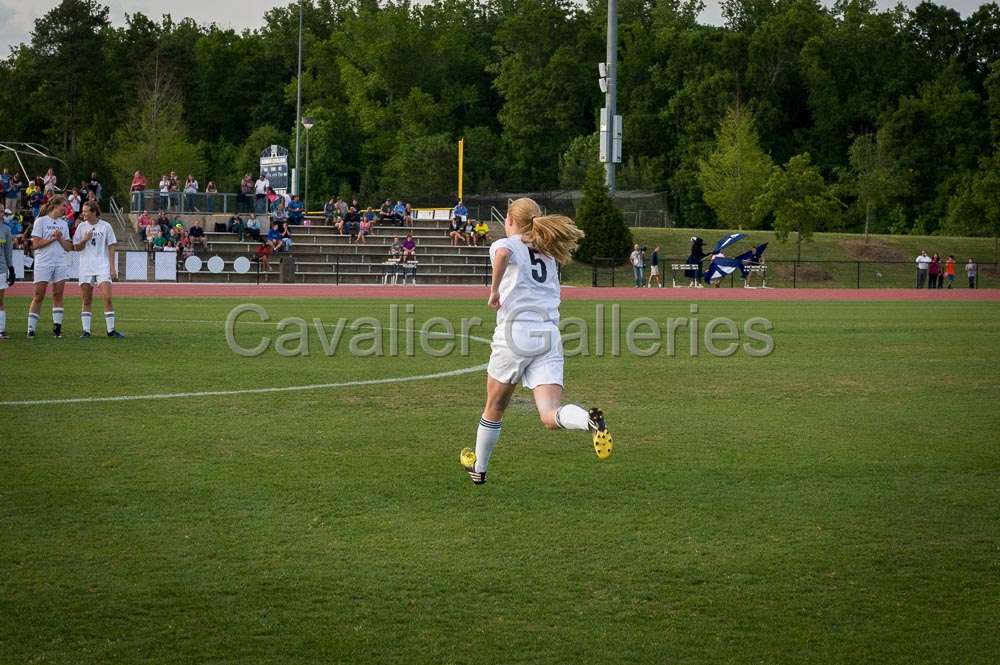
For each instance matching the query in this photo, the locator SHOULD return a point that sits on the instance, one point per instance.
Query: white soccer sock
(109, 320)
(57, 315)
(32, 321)
(486, 440)
(571, 416)
(3, 320)
(85, 320)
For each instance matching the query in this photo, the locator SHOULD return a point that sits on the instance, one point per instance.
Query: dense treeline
(899, 111)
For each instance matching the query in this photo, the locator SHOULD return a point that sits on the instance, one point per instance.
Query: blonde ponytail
(555, 235)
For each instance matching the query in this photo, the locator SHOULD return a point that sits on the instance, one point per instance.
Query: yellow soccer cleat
(604, 443)
(467, 458)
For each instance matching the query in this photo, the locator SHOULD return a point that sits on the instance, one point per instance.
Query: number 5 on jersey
(538, 269)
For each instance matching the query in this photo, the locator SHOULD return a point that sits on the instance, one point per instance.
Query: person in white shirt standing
(527, 346)
(51, 243)
(95, 240)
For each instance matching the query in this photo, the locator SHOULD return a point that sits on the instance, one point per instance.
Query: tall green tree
(871, 175)
(602, 222)
(800, 201)
(736, 172)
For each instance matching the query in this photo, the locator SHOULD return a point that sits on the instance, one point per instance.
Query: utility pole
(298, 108)
(611, 97)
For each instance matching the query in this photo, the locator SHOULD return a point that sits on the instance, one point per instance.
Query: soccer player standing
(6, 272)
(50, 242)
(95, 240)
(527, 346)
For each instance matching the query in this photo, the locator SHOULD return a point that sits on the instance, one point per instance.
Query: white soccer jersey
(53, 254)
(529, 289)
(94, 255)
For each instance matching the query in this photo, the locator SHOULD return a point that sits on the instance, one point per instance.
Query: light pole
(308, 123)
(611, 98)
(298, 106)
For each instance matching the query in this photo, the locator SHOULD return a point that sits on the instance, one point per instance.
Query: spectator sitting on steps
(469, 232)
(152, 233)
(197, 235)
(263, 254)
(455, 231)
(409, 249)
(286, 237)
(395, 250)
(236, 225)
(143, 223)
(274, 238)
(482, 230)
(253, 227)
(296, 210)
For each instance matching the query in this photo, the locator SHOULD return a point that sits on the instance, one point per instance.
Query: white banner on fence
(19, 263)
(136, 266)
(166, 266)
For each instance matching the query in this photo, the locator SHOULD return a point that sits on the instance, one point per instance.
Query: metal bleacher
(324, 256)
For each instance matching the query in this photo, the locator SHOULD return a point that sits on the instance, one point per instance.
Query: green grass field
(834, 502)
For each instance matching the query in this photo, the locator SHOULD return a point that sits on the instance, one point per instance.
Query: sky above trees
(17, 17)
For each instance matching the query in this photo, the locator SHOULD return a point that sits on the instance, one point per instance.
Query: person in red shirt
(949, 270)
(264, 254)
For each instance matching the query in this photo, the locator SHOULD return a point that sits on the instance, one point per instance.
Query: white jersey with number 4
(529, 289)
(94, 255)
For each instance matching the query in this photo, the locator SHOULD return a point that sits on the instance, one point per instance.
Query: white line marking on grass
(251, 391)
(256, 391)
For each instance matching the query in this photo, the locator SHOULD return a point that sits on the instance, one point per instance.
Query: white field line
(253, 391)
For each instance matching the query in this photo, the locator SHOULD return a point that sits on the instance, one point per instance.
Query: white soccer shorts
(654, 271)
(95, 279)
(57, 273)
(533, 355)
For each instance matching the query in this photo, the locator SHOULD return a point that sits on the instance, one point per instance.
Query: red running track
(188, 290)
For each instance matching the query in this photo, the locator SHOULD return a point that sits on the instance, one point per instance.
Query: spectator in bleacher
(286, 236)
(210, 193)
(150, 233)
(363, 231)
(165, 192)
(461, 211)
(236, 225)
(274, 237)
(329, 211)
(395, 250)
(176, 233)
(280, 214)
(260, 194)
(408, 215)
(253, 227)
(33, 194)
(13, 194)
(972, 271)
(246, 191)
(190, 192)
(94, 185)
(455, 231)
(263, 254)
(296, 210)
(137, 187)
(385, 212)
(141, 224)
(399, 213)
(184, 246)
(13, 222)
(74, 202)
(341, 208)
(197, 235)
(369, 215)
(163, 223)
(482, 230)
(409, 249)
(159, 241)
(4, 184)
(49, 182)
(469, 231)
(352, 222)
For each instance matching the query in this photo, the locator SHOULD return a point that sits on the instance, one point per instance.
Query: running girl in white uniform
(95, 240)
(50, 242)
(527, 346)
